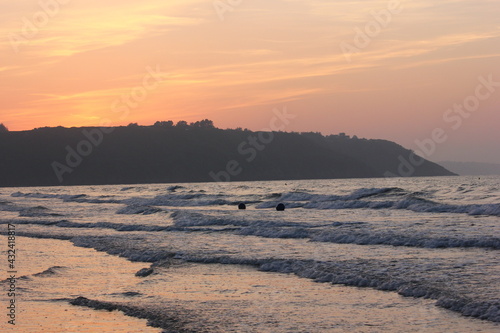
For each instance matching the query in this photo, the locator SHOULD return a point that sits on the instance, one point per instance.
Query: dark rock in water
(144, 272)
(242, 206)
(280, 207)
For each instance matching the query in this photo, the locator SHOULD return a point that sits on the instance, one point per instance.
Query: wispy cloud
(265, 52)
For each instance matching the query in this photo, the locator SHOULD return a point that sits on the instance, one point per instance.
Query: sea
(346, 255)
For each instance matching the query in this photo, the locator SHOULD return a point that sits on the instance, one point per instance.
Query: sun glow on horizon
(407, 62)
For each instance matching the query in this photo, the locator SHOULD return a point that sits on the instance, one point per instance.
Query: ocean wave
(482, 310)
(168, 319)
(381, 198)
(273, 204)
(355, 195)
(37, 222)
(54, 270)
(138, 210)
(79, 198)
(419, 205)
(276, 232)
(9, 207)
(336, 232)
(47, 196)
(192, 219)
(128, 188)
(114, 226)
(297, 196)
(189, 219)
(179, 200)
(97, 225)
(350, 236)
(37, 211)
(128, 294)
(409, 279)
(51, 271)
(404, 240)
(412, 203)
(361, 274)
(174, 188)
(370, 192)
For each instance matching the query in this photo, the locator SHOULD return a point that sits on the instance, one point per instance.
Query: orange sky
(76, 63)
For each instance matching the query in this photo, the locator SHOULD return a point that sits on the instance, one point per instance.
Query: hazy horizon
(421, 74)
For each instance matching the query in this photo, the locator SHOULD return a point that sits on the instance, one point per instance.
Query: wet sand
(203, 298)
(53, 271)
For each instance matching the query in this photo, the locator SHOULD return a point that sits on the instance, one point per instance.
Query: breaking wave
(460, 276)
(138, 210)
(336, 232)
(54, 270)
(180, 200)
(167, 319)
(381, 275)
(80, 198)
(354, 201)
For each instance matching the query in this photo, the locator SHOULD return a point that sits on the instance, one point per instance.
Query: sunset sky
(76, 63)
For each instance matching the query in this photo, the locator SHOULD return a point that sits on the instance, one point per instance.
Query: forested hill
(194, 153)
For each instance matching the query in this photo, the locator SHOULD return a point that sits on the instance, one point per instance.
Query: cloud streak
(263, 53)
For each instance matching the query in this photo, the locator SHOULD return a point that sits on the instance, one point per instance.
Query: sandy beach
(203, 298)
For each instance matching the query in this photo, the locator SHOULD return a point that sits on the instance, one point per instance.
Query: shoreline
(47, 269)
(212, 295)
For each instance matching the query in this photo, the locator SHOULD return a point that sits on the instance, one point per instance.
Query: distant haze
(424, 73)
(472, 168)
